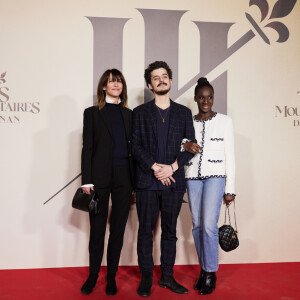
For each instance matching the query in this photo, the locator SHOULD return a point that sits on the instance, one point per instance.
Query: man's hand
(155, 167)
(167, 181)
(164, 172)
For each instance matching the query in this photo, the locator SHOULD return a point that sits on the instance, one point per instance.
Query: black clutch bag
(86, 202)
(228, 238)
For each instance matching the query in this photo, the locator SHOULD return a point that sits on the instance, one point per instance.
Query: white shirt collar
(109, 100)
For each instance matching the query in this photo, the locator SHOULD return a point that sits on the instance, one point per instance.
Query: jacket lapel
(103, 114)
(172, 120)
(152, 115)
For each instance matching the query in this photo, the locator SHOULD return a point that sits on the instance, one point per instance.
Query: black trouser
(148, 204)
(120, 190)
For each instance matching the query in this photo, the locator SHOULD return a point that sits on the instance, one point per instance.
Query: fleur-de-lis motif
(262, 5)
(2, 80)
(281, 9)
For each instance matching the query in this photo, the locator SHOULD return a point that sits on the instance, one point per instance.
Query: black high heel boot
(199, 282)
(209, 283)
(88, 286)
(111, 286)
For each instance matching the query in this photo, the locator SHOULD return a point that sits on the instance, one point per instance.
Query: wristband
(172, 169)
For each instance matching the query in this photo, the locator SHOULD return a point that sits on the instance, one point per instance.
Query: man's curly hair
(154, 66)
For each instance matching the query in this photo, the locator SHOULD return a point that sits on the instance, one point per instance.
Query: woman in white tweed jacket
(210, 177)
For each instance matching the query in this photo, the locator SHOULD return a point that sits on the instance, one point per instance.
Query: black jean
(120, 190)
(148, 204)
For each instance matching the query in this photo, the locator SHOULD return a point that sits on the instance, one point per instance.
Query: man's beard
(162, 92)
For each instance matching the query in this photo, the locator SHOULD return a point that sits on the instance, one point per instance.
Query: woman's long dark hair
(116, 75)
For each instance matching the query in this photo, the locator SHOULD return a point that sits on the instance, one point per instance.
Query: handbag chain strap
(227, 212)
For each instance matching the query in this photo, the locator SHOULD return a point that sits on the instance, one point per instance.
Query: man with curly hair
(159, 127)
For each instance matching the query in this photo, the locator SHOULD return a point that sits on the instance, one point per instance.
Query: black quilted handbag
(86, 202)
(228, 238)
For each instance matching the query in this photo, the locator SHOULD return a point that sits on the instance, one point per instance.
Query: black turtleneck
(120, 150)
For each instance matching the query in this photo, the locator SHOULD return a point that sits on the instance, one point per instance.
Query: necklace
(163, 118)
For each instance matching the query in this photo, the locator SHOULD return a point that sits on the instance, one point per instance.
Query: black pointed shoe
(111, 286)
(167, 281)
(209, 283)
(200, 280)
(144, 289)
(88, 286)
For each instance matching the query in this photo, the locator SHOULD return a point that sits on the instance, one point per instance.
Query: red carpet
(241, 282)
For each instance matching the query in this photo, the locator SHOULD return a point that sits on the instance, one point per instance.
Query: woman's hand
(192, 147)
(228, 199)
(87, 190)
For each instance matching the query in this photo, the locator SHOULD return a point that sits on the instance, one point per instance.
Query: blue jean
(205, 199)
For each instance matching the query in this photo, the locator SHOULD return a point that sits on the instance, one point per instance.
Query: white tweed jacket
(216, 159)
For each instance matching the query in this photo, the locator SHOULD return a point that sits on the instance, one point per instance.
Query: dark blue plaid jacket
(144, 142)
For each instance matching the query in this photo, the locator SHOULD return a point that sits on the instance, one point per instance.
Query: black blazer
(97, 150)
(144, 141)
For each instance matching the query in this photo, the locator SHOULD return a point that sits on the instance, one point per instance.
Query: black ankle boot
(168, 281)
(209, 283)
(88, 286)
(111, 286)
(199, 282)
(144, 289)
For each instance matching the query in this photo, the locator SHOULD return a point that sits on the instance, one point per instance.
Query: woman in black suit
(107, 167)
